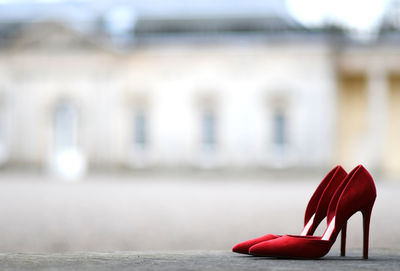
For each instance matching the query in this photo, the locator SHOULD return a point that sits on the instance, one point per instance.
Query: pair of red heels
(338, 197)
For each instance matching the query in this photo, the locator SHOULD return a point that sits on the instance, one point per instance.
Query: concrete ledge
(195, 260)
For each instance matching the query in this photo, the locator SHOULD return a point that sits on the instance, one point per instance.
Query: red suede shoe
(356, 193)
(315, 211)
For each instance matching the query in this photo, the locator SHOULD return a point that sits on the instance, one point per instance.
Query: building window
(3, 151)
(140, 132)
(68, 161)
(65, 127)
(279, 128)
(209, 129)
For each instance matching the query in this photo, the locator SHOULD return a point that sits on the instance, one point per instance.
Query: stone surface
(150, 213)
(194, 260)
(176, 223)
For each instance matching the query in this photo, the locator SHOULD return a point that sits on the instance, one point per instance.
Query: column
(377, 100)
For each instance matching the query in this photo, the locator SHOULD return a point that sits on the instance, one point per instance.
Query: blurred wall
(70, 103)
(368, 105)
(201, 105)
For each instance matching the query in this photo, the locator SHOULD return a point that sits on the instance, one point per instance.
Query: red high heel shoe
(315, 211)
(356, 193)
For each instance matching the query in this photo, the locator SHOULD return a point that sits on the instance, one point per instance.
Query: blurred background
(174, 124)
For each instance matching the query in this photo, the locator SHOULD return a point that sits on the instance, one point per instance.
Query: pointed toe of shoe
(241, 248)
(292, 247)
(261, 249)
(244, 247)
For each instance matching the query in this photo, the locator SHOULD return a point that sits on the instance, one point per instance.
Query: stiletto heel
(355, 192)
(343, 240)
(315, 211)
(366, 220)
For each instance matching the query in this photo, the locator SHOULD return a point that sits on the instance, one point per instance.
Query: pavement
(192, 260)
(174, 223)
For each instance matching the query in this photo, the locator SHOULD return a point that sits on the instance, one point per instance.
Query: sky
(359, 15)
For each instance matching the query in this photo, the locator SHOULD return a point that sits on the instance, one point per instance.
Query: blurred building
(144, 85)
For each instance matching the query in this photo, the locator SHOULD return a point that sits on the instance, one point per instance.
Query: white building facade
(207, 105)
(258, 99)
